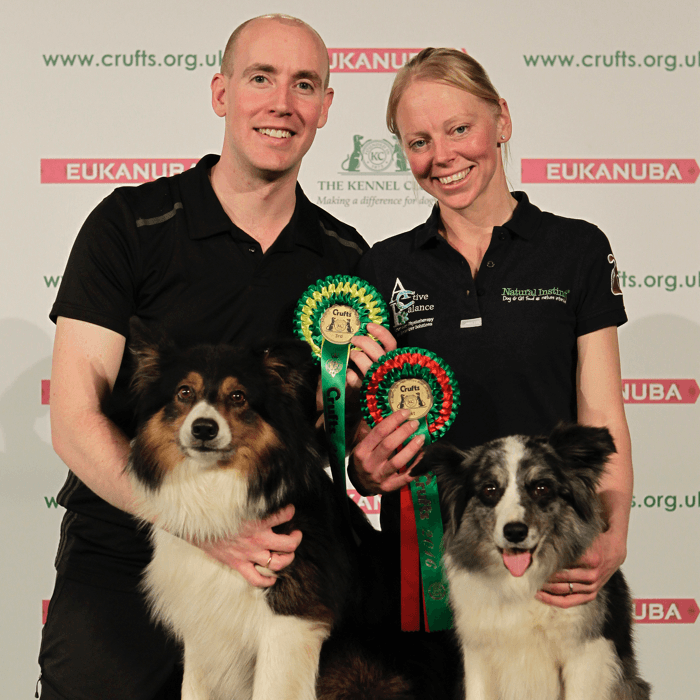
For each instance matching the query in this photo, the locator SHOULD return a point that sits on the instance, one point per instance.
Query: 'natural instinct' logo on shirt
(511, 294)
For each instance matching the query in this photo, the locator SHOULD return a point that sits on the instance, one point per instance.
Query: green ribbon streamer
(333, 389)
(426, 506)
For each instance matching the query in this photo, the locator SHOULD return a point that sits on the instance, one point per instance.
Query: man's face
(274, 100)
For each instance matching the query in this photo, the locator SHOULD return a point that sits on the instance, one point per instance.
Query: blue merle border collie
(226, 434)
(517, 510)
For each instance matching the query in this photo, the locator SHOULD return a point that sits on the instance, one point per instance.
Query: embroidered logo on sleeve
(614, 279)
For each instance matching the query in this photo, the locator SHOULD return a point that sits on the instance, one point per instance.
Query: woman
(522, 304)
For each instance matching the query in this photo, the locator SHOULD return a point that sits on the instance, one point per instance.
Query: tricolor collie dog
(517, 510)
(226, 435)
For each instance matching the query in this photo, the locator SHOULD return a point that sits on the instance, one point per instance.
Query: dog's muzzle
(204, 429)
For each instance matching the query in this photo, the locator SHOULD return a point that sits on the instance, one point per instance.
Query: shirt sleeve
(100, 282)
(600, 303)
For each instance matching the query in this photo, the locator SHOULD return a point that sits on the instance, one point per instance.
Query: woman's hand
(581, 584)
(367, 351)
(257, 552)
(377, 463)
(599, 401)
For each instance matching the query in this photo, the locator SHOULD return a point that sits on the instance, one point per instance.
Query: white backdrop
(605, 92)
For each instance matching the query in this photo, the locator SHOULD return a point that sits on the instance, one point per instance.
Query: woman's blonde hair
(448, 66)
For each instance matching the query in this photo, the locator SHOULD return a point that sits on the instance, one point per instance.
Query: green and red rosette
(328, 315)
(418, 380)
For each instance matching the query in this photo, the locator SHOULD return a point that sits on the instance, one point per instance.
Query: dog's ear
(291, 364)
(441, 458)
(583, 445)
(451, 467)
(584, 451)
(145, 349)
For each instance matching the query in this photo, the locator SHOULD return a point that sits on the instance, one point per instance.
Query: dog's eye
(539, 491)
(237, 398)
(185, 393)
(490, 493)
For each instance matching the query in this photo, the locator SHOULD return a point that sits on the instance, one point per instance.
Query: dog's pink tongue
(517, 561)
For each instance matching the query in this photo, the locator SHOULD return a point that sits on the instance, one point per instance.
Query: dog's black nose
(204, 429)
(515, 532)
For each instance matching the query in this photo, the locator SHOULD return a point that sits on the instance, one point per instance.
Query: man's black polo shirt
(510, 335)
(167, 252)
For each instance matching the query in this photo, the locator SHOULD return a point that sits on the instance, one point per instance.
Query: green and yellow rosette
(328, 315)
(418, 380)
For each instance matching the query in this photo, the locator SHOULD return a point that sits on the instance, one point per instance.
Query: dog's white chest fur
(517, 648)
(235, 645)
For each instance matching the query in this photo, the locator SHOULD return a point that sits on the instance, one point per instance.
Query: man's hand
(257, 553)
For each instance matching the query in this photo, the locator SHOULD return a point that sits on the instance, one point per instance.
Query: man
(220, 253)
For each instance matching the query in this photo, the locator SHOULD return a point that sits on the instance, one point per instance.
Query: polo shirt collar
(526, 217)
(430, 229)
(206, 217)
(524, 222)
(303, 228)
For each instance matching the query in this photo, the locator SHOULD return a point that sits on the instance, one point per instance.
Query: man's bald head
(230, 51)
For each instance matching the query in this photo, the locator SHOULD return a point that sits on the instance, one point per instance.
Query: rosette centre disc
(339, 323)
(412, 393)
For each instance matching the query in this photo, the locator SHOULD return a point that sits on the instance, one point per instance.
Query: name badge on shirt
(470, 323)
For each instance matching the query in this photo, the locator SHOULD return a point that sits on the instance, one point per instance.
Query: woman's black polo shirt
(510, 335)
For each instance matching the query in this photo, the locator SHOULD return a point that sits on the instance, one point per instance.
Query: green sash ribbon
(334, 362)
(426, 506)
(328, 315)
(420, 381)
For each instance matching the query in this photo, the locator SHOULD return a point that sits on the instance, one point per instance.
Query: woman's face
(451, 140)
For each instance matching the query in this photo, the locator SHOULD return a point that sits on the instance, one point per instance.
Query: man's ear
(327, 101)
(219, 85)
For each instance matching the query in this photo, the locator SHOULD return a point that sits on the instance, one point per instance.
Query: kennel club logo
(609, 170)
(375, 156)
(122, 171)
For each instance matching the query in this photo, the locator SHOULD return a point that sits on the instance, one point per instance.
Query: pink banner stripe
(45, 391)
(660, 390)
(369, 60)
(122, 171)
(44, 611)
(369, 504)
(609, 170)
(665, 611)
